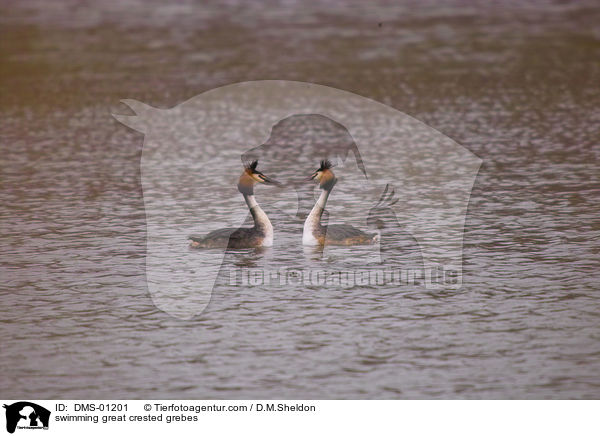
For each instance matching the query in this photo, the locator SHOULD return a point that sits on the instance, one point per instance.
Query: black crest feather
(325, 165)
(252, 165)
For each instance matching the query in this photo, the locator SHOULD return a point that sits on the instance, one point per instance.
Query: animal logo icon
(25, 414)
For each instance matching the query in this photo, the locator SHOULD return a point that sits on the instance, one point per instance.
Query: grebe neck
(261, 220)
(313, 221)
(319, 207)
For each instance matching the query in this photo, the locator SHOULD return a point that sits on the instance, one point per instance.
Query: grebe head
(324, 175)
(251, 176)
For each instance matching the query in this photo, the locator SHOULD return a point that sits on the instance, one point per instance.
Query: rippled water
(518, 86)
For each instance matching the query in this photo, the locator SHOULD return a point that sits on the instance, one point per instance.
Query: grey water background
(515, 84)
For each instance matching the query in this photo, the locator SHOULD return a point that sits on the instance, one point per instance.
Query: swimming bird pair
(261, 234)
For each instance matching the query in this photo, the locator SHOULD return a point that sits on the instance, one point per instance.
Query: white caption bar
(267, 417)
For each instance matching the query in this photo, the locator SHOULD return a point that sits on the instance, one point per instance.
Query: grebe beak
(268, 181)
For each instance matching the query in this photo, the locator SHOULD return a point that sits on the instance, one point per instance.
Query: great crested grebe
(336, 234)
(261, 235)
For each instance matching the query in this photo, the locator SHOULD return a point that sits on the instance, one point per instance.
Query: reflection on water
(517, 86)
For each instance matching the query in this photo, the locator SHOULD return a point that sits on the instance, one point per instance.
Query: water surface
(517, 85)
